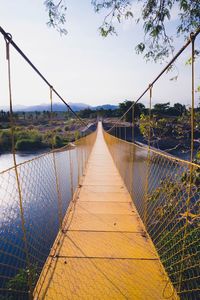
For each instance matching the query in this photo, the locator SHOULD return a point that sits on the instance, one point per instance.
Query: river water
(43, 207)
(6, 160)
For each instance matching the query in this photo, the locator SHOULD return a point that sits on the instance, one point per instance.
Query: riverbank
(33, 139)
(175, 145)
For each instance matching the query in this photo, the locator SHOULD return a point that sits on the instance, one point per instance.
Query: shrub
(58, 129)
(5, 140)
(29, 144)
(20, 281)
(66, 128)
(59, 141)
(76, 135)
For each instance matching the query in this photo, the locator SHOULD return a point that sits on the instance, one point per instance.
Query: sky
(83, 66)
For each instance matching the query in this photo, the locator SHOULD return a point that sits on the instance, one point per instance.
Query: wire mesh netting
(166, 192)
(28, 229)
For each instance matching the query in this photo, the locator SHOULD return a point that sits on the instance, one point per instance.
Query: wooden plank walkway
(104, 251)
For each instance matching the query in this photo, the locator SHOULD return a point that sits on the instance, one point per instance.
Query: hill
(58, 107)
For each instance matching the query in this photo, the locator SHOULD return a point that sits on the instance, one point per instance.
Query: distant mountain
(42, 107)
(59, 107)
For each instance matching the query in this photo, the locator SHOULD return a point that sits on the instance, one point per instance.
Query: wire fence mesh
(166, 192)
(24, 250)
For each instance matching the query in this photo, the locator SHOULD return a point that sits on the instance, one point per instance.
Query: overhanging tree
(156, 43)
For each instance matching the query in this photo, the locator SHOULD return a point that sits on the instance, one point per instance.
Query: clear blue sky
(82, 66)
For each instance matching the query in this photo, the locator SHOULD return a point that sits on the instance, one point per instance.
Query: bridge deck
(104, 252)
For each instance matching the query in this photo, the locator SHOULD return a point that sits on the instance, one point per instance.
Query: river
(6, 159)
(42, 205)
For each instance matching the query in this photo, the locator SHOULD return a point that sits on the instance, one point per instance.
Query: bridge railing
(165, 189)
(29, 226)
(167, 198)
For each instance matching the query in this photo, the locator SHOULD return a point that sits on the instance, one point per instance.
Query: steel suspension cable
(156, 79)
(8, 38)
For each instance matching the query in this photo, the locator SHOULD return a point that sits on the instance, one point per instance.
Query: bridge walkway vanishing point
(104, 251)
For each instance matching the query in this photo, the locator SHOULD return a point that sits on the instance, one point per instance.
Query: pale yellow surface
(104, 251)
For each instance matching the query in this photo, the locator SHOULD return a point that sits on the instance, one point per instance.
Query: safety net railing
(35, 195)
(169, 205)
(32, 212)
(165, 189)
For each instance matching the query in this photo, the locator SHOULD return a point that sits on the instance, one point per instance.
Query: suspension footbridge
(104, 251)
(102, 218)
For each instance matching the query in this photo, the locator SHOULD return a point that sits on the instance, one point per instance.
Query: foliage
(57, 14)
(118, 10)
(28, 140)
(29, 144)
(58, 141)
(99, 112)
(76, 135)
(20, 281)
(160, 127)
(139, 108)
(171, 212)
(170, 126)
(4, 116)
(5, 140)
(165, 109)
(58, 129)
(66, 128)
(178, 109)
(198, 157)
(161, 107)
(86, 113)
(154, 16)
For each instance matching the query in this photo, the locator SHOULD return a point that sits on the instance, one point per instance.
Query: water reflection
(39, 210)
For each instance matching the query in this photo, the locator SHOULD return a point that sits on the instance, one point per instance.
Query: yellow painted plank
(85, 278)
(94, 189)
(107, 193)
(103, 251)
(107, 245)
(105, 207)
(104, 222)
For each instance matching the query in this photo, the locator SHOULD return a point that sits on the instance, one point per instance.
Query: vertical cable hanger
(12, 124)
(71, 173)
(190, 177)
(133, 123)
(148, 161)
(54, 164)
(132, 152)
(125, 130)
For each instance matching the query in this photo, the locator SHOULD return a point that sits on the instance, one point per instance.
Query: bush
(20, 281)
(5, 140)
(28, 140)
(76, 135)
(58, 141)
(58, 129)
(29, 144)
(66, 128)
